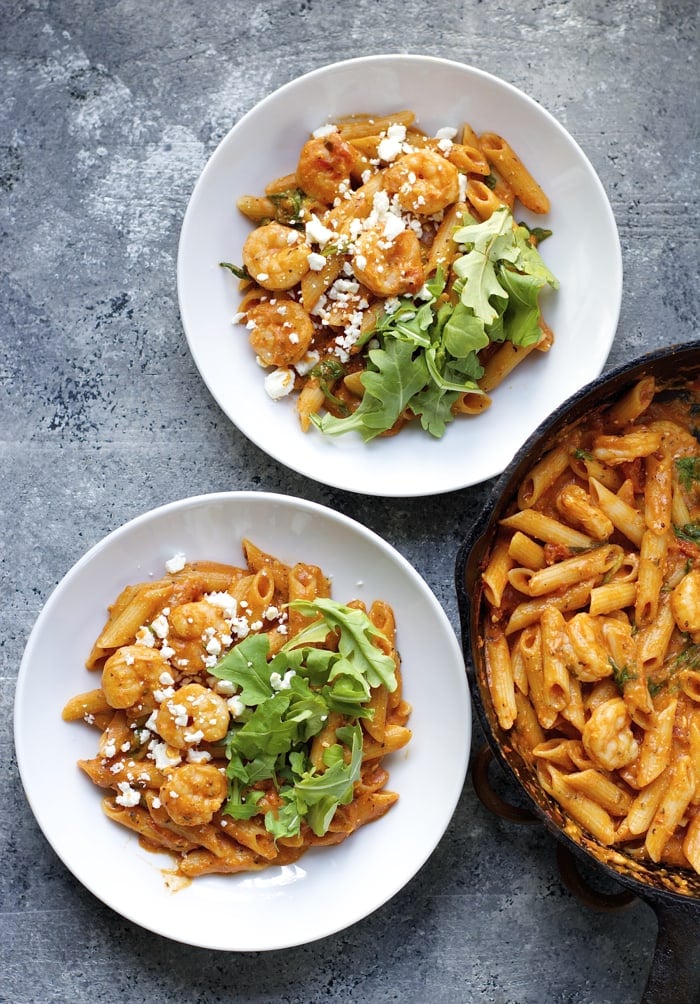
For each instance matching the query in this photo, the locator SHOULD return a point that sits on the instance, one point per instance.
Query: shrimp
(607, 736)
(190, 620)
(424, 182)
(193, 793)
(192, 715)
(324, 168)
(276, 257)
(280, 332)
(388, 266)
(130, 673)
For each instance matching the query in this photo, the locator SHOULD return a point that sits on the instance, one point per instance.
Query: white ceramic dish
(584, 253)
(329, 888)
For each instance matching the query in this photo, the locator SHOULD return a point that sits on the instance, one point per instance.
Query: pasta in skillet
(591, 628)
(363, 286)
(244, 715)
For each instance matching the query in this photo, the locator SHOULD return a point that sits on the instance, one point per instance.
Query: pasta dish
(386, 281)
(591, 624)
(243, 714)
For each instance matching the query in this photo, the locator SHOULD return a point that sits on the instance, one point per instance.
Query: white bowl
(328, 888)
(584, 254)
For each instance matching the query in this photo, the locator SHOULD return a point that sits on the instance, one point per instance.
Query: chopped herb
(580, 454)
(689, 532)
(327, 372)
(240, 271)
(688, 471)
(537, 234)
(622, 675)
(289, 207)
(490, 181)
(687, 658)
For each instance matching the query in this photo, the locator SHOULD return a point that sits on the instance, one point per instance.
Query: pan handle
(675, 967)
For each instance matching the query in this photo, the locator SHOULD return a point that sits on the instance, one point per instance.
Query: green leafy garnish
(622, 674)
(688, 471)
(688, 657)
(327, 372)
(286, 701)
(240, 271)
(289, 206)
(689, 532)
(428, 350)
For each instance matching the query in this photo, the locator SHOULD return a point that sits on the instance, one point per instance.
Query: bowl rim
(314, 468)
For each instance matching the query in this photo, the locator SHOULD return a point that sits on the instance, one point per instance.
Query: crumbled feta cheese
(163, 755)
(160, 626)
(279, 383)
(224, 687)
(391, 145)
(278, 682)
(324, 130)
(317, 233)
(235, 706)
(127, 796)
(307, 362)
(198, 756)
(193, 737)
(225, 601)
(177, 562)
(316, 261)
(213, 646)
(144, 636)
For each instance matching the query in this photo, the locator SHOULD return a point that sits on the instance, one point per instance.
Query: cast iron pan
(674, 894)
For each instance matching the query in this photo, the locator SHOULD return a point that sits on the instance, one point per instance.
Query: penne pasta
(601, 620)
(233, 703)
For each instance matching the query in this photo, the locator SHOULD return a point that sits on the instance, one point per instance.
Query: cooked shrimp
(190, 620)
(280, 332)
(131, 673)
(192, 715)
(424, 182)
(388, 266)
(193, 793)
(276, 257)
(324, 168)
(607, 736)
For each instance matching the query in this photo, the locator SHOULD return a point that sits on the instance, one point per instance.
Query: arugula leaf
(429, 349)
(361, 657)
(246, 666)
(389, 385)
(271, 742)
(321, 794)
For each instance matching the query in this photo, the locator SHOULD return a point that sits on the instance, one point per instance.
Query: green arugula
(428, 351)
(286, 701)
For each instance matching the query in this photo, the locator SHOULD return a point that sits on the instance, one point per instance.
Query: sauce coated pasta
(591, 623)
(243, 714)
(364, 290)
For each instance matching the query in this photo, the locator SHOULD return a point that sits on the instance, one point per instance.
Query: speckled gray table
(109, 110)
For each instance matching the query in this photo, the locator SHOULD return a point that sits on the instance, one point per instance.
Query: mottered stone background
(109, 110)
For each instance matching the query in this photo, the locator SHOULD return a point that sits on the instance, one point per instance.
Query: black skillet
(673, 894)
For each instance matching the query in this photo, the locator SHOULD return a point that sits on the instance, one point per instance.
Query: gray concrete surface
(109, 110)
